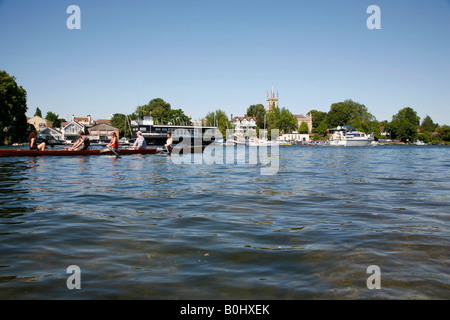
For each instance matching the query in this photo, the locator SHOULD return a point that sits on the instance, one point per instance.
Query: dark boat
(95, 152)
(155, 134)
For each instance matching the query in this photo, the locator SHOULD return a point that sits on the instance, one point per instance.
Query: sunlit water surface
(145, 227)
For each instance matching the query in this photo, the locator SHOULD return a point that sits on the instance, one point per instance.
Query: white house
(244, 126)
(70, 131)
(294, 137)
(50, 134)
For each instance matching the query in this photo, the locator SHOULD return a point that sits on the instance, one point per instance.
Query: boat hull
(351, 142)
(93, 152)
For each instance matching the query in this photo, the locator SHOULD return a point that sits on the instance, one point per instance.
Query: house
(102, 132)
(40, 123)
(244, 126)
(52, 135)
(294, 137)
(86, 121)
(70, 131)
(105, 121)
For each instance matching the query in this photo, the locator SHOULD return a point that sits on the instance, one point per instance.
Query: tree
(177, 117)
(13, 108)
(317, 118)
(303, 128)
(349, 113)
(38, 113)
(404, 125)
(118, 121)
(259, 112)
(444, 132)
(281, 119)
(428, 125)
(158, 108)
(322, 128)
(218, 119)
(54, 118)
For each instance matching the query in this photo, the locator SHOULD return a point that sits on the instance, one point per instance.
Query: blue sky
(203, 55)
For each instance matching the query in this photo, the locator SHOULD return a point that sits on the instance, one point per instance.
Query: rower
(83, 142)
(114, 143)
(33, 143)
(168, 144)
(140, 142)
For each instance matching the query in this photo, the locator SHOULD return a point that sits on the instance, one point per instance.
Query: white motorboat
(348, 136)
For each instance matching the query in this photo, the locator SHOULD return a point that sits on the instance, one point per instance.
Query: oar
(113, 151)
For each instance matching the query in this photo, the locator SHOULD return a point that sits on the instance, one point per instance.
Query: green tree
(118, 121)
(404, 125)
(218, 119)
(281, 119)
(303, 128)
(444, 132)
(349, 113)
(177, 117)
(317, 118)
(158, 108)
(425, 137)
(54, 118)
(13, 108)
(375, 127)
(259, 112)
(428, 125)
(38, 112)
(288, 122)
(322, 128)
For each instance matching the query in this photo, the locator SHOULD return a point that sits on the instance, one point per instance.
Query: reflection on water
(142, 226)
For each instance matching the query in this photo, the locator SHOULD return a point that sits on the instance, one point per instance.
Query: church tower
(272, 101)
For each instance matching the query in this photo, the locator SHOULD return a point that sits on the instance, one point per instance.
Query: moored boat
(348, 136)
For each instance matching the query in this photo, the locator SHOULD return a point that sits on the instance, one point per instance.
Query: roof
(103, 127)
(301, 116)
(50, 129)
(99, 121)
(74, 122)
(244, 117)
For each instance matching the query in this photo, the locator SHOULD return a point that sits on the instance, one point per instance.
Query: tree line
(405, 124)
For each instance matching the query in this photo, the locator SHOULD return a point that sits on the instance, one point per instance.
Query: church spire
(272, 101)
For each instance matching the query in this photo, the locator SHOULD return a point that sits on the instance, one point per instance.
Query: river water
(147, 227)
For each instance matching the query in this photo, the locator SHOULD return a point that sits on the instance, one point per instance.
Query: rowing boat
(92, 152)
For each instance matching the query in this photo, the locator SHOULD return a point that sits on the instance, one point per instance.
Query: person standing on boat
(140, 142)
(33, 143)
(83, 143)
(114, 143)
(169, 143)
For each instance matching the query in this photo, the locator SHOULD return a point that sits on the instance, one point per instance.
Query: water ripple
(143, 227)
